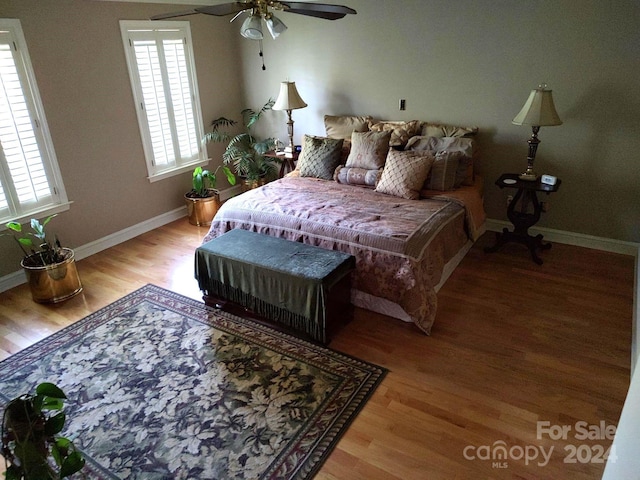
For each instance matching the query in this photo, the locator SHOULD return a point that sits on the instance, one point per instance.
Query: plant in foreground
(30, 425)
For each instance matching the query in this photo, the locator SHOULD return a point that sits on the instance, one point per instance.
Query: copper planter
(202, 210)
(54, 283)
(251, 184)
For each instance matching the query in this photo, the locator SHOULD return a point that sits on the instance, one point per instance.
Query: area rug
(162, 387)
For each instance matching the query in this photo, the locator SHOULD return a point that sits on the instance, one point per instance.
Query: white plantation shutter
(30, 182)
(162, 74)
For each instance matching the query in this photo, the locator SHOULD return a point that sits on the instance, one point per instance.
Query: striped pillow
(443, 172)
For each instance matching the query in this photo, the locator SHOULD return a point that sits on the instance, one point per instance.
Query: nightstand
(526, 216)
(288, 164)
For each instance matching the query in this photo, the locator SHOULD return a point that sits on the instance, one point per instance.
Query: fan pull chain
(262, 56)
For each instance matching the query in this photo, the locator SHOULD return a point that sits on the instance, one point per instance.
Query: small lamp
(274, 25)
(538, 111)
(289, 99)
(252, 27)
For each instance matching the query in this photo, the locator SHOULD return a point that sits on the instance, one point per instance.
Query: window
(163, 79)
(30, 181)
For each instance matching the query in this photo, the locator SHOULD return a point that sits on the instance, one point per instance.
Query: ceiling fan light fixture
(275, 26)
(252, 28)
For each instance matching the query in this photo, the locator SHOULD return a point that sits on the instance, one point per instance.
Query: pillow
(401, 132)
(464, 173)
(368, 150)
(441, 130)
(466, 146)
(319, 157)
(443, 172)
(404, 173)
(357, 176)
(346, 148)
(436, 144)
(342, 126)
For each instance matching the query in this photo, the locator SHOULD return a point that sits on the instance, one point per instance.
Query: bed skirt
(391, 309)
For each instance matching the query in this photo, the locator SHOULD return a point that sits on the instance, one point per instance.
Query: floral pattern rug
(162, 387)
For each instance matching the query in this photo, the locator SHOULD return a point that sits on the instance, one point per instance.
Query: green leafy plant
(244, 151)
(30, 445)
(38, 250)
(204, 181)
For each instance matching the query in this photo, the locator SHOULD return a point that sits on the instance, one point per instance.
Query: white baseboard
(12, 280)
(17, 278)
(128, 233)
(572, 238)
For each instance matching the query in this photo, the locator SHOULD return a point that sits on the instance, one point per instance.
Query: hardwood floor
(513, 344)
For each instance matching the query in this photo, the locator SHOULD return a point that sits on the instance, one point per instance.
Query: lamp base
(289, 151)
(528, 176)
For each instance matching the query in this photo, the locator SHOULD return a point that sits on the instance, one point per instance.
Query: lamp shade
(252, 28)
(275, 26)
(538, 109)
(288, 98)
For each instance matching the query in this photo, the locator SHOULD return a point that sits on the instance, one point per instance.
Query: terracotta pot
(202, 210)
(56, 282)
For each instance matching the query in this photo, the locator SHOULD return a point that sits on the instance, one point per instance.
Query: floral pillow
(405, 173)
(319, 157)
(357, 176)
(401, 132)
(368, 150)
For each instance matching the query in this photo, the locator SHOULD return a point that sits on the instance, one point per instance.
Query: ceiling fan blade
(317, 10)
(226, 8)
(318, 7)
(164, 16)
(313, 13)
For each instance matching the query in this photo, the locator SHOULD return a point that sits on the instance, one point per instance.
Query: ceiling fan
(261, 10)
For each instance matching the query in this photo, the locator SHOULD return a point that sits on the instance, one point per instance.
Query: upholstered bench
(299, 286)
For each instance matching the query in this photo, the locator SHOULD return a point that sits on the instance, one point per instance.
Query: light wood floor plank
(514, 343)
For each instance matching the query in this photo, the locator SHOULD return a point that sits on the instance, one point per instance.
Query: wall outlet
(402, 104)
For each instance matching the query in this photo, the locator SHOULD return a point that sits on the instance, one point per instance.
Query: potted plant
(30, 445)
(50, 268)
(203, 200)
(244, 151)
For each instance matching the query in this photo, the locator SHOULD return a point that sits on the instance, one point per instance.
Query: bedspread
(401, 246)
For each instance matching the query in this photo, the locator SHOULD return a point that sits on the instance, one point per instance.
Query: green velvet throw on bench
(288, 282)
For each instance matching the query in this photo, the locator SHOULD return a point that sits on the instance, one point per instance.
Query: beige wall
(467, 62)
(473, 63)
(78, 58)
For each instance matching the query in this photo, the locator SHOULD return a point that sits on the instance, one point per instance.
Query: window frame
(156, 173)
(58, 200)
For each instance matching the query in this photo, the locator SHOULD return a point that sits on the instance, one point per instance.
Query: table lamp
(289, 99)
(538, 111)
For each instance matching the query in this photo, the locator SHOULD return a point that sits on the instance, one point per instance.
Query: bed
(406, 242)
